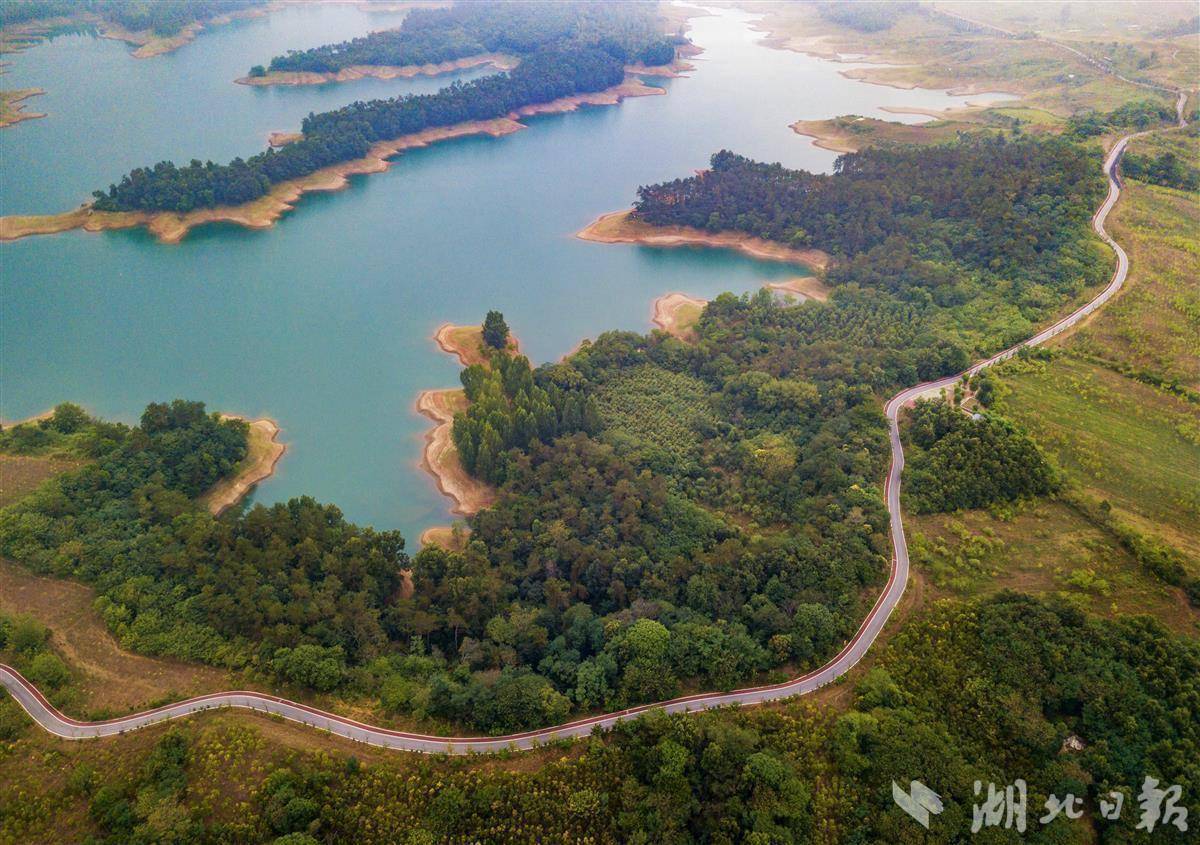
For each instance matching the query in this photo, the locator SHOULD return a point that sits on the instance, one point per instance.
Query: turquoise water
(324, 322)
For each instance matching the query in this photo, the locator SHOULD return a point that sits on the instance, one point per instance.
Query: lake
(324, 322)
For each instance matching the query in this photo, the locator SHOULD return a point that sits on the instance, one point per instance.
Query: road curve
(34, 703)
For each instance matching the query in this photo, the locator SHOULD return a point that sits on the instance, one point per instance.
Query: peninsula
(263, 451)
(623, 227)
(169, 201)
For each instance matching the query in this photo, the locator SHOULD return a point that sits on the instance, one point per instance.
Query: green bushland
(629, 32)
(985, 690)
(866, 16)
(961, 462)
(1140, 114)
(162, 18)
(25, 645)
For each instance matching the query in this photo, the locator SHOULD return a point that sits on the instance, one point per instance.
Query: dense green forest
(627, 31)
(347, 133)
(981, 239)
(292, 589)
(987, 691)
(164, 18)
(958, 462)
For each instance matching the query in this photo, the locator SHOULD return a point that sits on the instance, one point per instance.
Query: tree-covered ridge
(347, 133)
(961, 462)
(164, 18)
(174, 580)
(627, 31)
(1006, 208)
(989, 690)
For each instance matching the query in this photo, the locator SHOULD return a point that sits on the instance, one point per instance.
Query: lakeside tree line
(283, 588)
(347, 133)
(629, 32)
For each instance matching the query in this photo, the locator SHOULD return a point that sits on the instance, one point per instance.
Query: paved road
(56, 723)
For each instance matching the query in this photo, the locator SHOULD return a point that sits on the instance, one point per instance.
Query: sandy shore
(12, 111)
(802, 287)
(451, 537)
(466, 343)
(500, 61)
(677, 313)
(282, 139)
(171, 227)
(825, 136)
(263, 453)
(440, 458)
(851, 133)
(619, 227)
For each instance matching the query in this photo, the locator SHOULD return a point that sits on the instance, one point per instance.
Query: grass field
(1043, 547)
(1153, 328)
(21, 475)
(929, 50)
(1119, 439)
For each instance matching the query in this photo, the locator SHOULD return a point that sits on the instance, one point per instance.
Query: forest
(1023, 688)
(960, 462)
(670, 516)
(627, 31)
(135, 15)
(347, 133)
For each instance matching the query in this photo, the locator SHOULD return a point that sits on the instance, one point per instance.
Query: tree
(495, 330)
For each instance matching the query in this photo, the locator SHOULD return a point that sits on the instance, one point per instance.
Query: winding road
(45, 714)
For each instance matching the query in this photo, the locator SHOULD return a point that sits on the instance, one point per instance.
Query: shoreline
(618, 227)
(676, 314)
(263, 437)
(465, 342)
(439, 458)
(171, 227)
(500, 61)
(13, 107)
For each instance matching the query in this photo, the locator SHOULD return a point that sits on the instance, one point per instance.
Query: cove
(324, 322)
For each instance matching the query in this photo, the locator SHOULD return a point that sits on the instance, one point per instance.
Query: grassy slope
(1116, 437)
